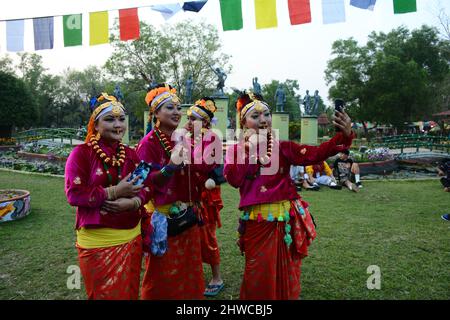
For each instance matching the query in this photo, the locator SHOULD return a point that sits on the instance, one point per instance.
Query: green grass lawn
(395, 225)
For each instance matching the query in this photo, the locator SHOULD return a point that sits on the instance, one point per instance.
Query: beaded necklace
(266, 158)
(163, 141)
(117, 160)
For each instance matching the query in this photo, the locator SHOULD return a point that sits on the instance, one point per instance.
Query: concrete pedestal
(280, 121)
(222, 115)
(309, 130)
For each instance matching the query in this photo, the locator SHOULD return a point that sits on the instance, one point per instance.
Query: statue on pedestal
(307, 103)
(280, 98)
(118, 93)
(256, 86)
(315, 108)
(189, 89)
(221, 77)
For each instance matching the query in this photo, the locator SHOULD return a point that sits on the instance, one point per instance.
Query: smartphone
(339, 106)
(142, 170)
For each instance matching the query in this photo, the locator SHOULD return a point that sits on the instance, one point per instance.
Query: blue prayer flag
(167, 10)
(43, 33)
(333, 11)
(14, 35)
(363, 4)
(195, 6)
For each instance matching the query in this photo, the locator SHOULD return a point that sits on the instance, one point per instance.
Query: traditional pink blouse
(256, 188)
(85, 180)
(177, 187)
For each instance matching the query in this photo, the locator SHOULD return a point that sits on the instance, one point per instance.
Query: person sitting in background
(444, 172)
(321, 174)
(343, 169)
(300, 179)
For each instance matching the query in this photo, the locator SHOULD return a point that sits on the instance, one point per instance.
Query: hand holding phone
(142, 170)
(339, 107)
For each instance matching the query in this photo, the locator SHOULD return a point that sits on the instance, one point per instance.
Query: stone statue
(280, 98)
(118, 93)
(189, 89)
(315, 108)
(152, 83)
(307, 103)
(256, 86)
(221, 77)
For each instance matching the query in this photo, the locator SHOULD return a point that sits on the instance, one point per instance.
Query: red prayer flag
(299, 11)
(129, 24)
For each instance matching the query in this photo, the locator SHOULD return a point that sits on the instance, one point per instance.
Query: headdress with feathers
(100, 105)
(157, 96)
(204, 109)
(247, 101)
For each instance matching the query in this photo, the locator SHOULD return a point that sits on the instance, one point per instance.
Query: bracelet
(111, 193)
(165, 172)
(137, 203)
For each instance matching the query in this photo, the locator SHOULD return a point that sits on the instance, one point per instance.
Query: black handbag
(177, 223)
(183, 220)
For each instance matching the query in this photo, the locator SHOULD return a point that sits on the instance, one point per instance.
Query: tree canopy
(17, 107)
(170, 54)
(394, 78)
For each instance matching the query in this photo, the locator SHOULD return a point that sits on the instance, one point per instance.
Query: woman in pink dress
(276, 227)
(108, 206)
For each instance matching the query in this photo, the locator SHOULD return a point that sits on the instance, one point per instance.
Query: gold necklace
(116, 161)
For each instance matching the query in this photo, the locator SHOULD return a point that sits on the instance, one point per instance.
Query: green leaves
(390, 79)
(170, 54)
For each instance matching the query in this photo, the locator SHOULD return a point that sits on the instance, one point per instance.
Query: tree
(393, 78)
(6, 64)
(18, 106)
(169, 55)
(78, 88)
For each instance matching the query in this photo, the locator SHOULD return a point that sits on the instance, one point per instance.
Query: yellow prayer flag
(266, 13)
(98, 28)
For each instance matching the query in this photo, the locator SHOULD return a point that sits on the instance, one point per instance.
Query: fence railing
(53, 134)
(416, 141)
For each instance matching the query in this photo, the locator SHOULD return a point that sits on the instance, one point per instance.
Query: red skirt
(178, 274)
(272, 269)
(112, 273)
(211, 206)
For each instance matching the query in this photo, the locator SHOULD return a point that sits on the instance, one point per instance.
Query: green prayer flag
(231, 11)
(73, 35)
(404, 6)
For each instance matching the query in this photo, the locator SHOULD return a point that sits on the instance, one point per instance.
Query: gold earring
(97, 136)
(157, 123)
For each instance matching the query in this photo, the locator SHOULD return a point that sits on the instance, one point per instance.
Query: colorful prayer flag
(14, 35)
(299, 11)
(404, 6)
(363, 4)
(231, 11)
(194, 6)
(73, 30)
(98, 27)
(129, 24)
(266, 14)
(333, 11)
(167, 10)
(43, 33)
